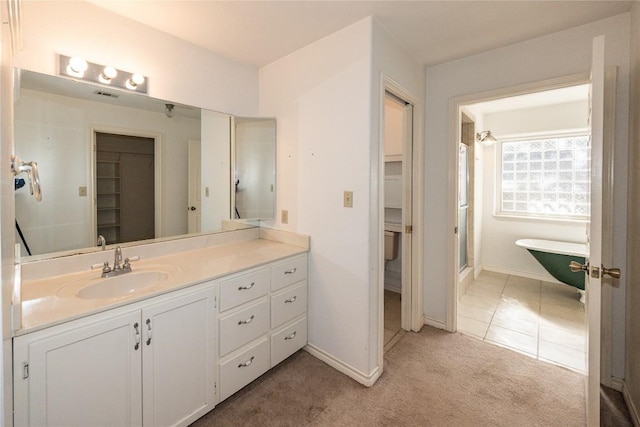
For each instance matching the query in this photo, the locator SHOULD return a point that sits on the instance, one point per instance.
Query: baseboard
(616, 383)
(633, 411)
(393, 287)
(365, 379)
(527, 274)
(433, 322)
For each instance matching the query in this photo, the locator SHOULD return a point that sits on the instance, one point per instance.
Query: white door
(407, 217)
(178, 360)
(83, 376)
(194, 208)
(594, 268)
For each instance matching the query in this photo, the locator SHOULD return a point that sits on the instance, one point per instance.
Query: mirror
(112, 163)
(254, 171)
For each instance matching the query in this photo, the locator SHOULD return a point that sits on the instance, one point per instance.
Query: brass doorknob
(613, 272)
(576, 267)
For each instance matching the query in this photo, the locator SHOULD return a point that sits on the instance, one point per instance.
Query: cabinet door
(178, 360)
(82, 375)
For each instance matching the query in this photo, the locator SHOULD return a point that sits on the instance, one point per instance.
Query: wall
(500, 233)
(555, 55)
(54, 131)
(177, 71)
(327, 97)
(632, 377)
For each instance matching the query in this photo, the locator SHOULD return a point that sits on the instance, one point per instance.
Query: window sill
(531, 218)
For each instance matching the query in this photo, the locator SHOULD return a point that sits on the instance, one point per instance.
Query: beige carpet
(431, 379)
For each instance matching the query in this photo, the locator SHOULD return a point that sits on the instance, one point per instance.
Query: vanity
(212, 300)
(202, 324)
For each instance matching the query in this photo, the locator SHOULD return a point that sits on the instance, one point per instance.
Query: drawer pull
(292, 299)
(137, 336)
(149, 332)
(244, 288)
(247, 363)
(246, 322)
(290, 337)
(293, 270)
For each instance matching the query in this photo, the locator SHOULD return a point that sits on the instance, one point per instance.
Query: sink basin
(126, 284)
(144, 280)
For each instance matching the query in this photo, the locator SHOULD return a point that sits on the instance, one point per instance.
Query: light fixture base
(103, 75)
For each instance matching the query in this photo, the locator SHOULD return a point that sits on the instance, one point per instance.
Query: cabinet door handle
(244, 288)
(149, 332)
(292, 299)
(247, 363)
(246, 322)
(290, 337)
(137, 335)
(293, 270)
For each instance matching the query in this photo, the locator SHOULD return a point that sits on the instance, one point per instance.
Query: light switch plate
(82, 191)
(348, 199)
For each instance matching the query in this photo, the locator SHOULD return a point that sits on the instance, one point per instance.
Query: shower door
(463, 205)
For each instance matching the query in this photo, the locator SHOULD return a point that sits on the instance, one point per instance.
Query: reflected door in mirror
(124, 191)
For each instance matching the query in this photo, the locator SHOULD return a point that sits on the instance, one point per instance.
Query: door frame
(157, 166)
(412, 313)
(455, 116)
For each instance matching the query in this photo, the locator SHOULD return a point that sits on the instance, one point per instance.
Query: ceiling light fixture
(78, 68)
(169, 110)
(486, 138)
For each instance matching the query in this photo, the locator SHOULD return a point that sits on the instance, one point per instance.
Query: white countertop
(53, 300)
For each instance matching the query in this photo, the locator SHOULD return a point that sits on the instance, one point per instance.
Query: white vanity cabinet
(261, 321)
(151, 365)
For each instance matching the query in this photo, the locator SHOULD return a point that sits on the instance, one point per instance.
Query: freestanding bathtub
(555, 258)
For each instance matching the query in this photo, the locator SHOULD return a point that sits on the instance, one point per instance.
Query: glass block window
(546, 177)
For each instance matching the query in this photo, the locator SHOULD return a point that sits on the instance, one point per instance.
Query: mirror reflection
(254, 177)
(118, 165)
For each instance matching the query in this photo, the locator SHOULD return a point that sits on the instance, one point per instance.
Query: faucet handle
(127, 261)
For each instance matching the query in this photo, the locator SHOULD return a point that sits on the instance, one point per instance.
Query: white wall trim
(527, 274)
(633, 411)
(365, 379)
(617, 384)
(426, 320)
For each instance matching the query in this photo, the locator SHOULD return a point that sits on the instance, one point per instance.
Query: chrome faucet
(117, 259)
(102, 242)
(119, 267)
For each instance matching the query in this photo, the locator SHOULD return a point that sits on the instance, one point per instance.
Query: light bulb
(135, 80)
(107, 74)
(77, 66)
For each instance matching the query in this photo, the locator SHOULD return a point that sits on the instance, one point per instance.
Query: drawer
(241, 289)
(239, 327)
(240, 370)
(288, 272)
(288, 303)
(288, 340)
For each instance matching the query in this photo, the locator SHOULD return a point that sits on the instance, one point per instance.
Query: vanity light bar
(77, 68)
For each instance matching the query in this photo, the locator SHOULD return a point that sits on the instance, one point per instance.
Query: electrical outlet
(82, 191)
(206, 191)
(348, 199)
(284, 216)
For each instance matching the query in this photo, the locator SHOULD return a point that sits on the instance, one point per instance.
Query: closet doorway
(124, 187)
(398, 213)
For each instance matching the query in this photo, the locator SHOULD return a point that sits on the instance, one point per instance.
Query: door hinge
(455, 230)
(25, 370)
(408, 229)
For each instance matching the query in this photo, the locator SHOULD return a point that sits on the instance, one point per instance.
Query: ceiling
(260, 32)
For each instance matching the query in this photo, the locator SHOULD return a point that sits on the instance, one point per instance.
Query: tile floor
(392, 313)
(540, 319)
